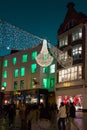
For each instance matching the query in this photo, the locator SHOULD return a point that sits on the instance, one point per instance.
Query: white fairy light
(44, 58)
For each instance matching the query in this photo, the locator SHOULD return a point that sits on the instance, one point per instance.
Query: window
(21, 84)
(45, 83)
(5, 63)
(34, 83)
(52, 82)
(4, 84)
(5, 74)
(77, 34)
(52, 68)
(24, 58)
(15, 85)
(63, 41)
(16, 71)
(14, 61)
(34, 55)
(77, 52)
(33, 68)
(45, 69)
(70, 74)
(63, 56)
(22, 71)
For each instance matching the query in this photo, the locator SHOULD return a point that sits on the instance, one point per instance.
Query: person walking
(22, 113)
(72, 116)
(62, 117)
(44, 118)
(11, 115)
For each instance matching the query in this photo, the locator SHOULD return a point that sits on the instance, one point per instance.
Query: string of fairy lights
(12, 37)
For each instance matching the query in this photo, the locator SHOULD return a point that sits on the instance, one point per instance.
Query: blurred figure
(32, 117)
(67, 111)
(22, 113)
(44, 119)
(72, 116)
(62, 117)
(11, 114)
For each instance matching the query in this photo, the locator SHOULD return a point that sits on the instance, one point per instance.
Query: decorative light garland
(12, 37)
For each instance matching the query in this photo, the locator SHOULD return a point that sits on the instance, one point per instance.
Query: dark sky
(39, 17)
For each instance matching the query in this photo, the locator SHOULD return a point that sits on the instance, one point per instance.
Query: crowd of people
(41, 117)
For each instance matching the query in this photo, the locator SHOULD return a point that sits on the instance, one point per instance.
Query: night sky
(39, 17)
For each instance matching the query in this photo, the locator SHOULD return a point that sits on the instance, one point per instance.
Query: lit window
(77, 52)
(14, 61)
(22, 71)
(21, 84)
(4, 84)
(34, 55)
(5, 74)
(45, 83)
(16, 71)
(63, 41)
(24, 58)
(52, 68)
(52, 82)
(15, 85)
(70, 74)
(33, 68)
(5, 63)
(45, 69)
(77, 34)
(34, 83)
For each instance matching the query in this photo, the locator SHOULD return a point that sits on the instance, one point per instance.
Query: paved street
(81, 121)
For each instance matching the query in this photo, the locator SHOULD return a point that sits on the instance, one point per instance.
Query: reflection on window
(77, 34)
(63, 41)
(33, 68)
(16, 73)
(52, 68)
(77, 52)
(70, 74)
(34, 54)
(14, 61)
(5, 74)
(5, 63)
(24, 58)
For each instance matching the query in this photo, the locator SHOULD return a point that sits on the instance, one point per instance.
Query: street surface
(81, 121)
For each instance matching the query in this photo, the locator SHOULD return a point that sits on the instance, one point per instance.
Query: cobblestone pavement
(81, 121)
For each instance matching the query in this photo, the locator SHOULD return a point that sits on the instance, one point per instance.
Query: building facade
(72, 39)
(21, 76)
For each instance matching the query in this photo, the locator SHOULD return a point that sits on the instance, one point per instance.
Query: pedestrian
(32, 117)
(11, 115)
(62, 117)
(67, 111)
(22, 113)
(72, 116)
(44, 119)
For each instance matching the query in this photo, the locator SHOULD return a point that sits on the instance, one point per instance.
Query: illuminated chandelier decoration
(44, 58)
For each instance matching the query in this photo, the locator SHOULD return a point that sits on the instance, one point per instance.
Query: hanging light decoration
(44, 59)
